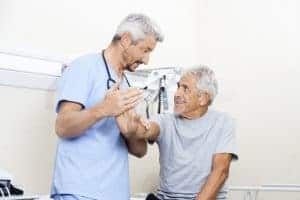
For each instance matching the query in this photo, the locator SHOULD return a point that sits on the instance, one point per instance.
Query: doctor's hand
(118, 101)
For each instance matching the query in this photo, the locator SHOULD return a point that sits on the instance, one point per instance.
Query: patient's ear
(204, 99)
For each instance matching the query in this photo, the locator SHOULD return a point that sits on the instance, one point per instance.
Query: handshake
(121, 105)
(143, 129)
(133, 125)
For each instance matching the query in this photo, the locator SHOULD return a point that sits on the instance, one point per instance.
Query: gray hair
(206, 80)
(139, 26)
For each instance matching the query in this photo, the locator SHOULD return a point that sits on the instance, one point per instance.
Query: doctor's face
(139, 52)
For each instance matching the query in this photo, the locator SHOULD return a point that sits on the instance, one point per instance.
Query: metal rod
(264, 188)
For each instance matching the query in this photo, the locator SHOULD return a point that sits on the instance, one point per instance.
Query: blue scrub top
(95, 164)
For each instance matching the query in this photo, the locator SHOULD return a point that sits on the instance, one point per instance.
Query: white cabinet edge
(28, 80)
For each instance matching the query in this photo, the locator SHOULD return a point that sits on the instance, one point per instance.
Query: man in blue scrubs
(92, 155)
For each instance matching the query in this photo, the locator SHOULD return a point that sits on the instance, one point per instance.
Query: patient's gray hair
(206, 80)
(139, 26)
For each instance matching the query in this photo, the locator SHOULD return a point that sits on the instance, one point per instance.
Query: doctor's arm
(72, 120)
(217, 177)
(128, 123)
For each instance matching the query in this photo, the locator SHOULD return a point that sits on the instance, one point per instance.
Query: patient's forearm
(213, 184)
(130, 125)
(153, 132)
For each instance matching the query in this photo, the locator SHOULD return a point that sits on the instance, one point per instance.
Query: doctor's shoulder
(82, 63)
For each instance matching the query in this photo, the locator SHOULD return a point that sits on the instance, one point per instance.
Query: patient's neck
(197, 113)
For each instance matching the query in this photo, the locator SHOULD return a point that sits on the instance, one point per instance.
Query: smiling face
(186, 96)
(187, 99)
(137, 53)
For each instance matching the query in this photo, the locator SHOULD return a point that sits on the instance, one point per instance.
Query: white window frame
(20, 69)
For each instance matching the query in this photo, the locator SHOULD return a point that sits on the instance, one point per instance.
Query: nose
(178, 92)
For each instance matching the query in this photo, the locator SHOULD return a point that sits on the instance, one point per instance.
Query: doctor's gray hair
(139, 26)
(206, 80)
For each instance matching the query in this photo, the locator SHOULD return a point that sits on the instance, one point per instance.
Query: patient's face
(186, 98)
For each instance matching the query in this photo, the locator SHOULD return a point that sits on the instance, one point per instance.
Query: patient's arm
(132, 125)
(216, 179)
(152, 130)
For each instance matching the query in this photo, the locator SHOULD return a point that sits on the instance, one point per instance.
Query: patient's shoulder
(221, 115)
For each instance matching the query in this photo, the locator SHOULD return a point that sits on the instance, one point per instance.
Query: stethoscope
(110, 81)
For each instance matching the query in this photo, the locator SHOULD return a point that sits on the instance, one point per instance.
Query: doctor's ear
(126, 40)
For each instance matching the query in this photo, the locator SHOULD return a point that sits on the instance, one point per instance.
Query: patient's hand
(148, 130)
(132, 125)
(142, 127)
(145, 122)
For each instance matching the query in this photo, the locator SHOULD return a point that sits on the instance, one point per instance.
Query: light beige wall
(27, 137)
(254, 48)
(70, 28)
(252, 45)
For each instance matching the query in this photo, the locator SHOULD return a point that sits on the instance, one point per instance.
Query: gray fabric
(187, 148)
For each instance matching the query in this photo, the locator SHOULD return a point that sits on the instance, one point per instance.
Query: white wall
(69, 28)
(254, 48)
(252, 45)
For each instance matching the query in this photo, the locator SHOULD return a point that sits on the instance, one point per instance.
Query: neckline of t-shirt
(203, 117)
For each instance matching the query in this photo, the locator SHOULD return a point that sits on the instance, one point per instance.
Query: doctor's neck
(114, 57)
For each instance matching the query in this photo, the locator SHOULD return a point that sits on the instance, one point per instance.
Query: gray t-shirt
(186, 150)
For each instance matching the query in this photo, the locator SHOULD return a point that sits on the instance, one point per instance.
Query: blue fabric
(70, 197)
(95, 164)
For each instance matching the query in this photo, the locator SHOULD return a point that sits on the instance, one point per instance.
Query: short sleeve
(161, 120)
(75, 83)
(227, 139)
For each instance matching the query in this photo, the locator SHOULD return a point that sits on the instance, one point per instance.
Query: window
(21, 70)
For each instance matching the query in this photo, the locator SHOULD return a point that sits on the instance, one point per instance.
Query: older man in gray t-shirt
(187, 148)
(196, 144)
